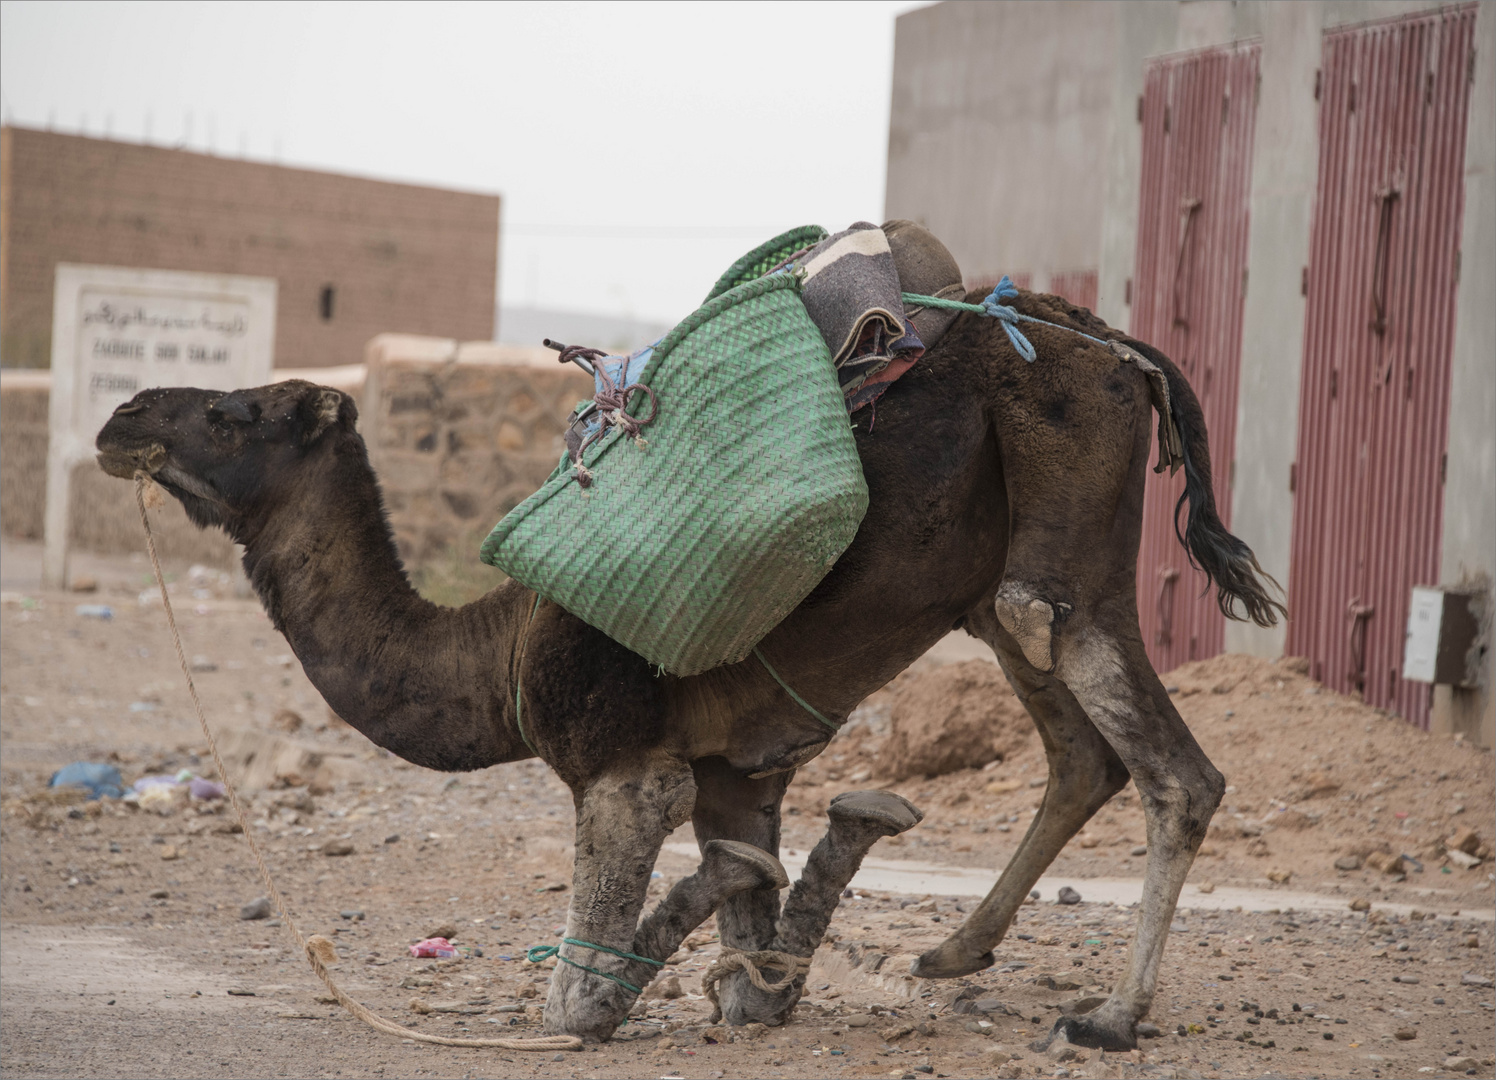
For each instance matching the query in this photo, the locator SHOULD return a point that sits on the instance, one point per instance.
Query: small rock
(1148, 1031)
(352, 914)
(170, 852)
(258, 908)
(668, 989)
(446, 930)
(337, 848)
(159, 894)
(1068, 895)
(526, 992)
(1279, 876)
(1468, 979)
(287, 720)
(861, 1020)
(1349, 862)
(1207, 887)
(202, 665)
(1060, 1051)
(1407, 980)
(1405, 1034)
(1461, 1064)
(1360, 904)
(1473, 941)
(240, 991)
(897, 1032)
(419, 1006)
(84, 583)
(392, 838)
(1140, 849)
(999, 1057)
(1466, 840)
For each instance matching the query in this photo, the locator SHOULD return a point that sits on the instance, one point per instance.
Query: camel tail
(1227, 562)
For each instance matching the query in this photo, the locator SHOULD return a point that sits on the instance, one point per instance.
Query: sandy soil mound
(960, 716)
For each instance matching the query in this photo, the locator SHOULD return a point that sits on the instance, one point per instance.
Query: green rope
(1009, 316)
(540, 953)
(518, 704)
(916, 300)
(786, 686)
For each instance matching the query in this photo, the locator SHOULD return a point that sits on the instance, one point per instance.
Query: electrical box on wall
(1442, 628)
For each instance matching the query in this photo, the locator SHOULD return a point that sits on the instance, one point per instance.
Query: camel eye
(232, 407)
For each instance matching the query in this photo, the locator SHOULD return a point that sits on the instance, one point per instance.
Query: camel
(1005, 501)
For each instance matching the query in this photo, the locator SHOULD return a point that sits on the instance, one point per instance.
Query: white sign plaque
(118, 331)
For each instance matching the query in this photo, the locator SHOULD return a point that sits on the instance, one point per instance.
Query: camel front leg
(623, 817)
(729, 804)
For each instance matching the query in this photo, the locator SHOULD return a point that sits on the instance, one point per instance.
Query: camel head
(217, 452)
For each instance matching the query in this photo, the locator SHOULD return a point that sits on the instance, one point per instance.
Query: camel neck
(400, 669)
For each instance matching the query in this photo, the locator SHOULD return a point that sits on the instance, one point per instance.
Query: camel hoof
(1091, 1031)
(948, 961)
(741, 866)
(890, 814)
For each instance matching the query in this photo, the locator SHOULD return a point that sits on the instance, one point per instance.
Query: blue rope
(540, 953)
(993, 307)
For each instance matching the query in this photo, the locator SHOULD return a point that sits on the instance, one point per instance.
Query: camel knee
(1031, 621)
(1181, 807)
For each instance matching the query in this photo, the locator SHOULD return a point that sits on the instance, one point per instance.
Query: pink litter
(438, 947)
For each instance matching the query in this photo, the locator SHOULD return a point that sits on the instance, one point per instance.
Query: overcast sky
(639, 148)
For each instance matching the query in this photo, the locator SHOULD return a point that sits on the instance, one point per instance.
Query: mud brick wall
(461, 433)
(397, 257)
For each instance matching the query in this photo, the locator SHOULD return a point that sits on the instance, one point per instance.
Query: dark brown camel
(1005, 499)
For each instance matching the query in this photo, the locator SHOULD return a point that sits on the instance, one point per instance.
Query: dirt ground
(122, 952)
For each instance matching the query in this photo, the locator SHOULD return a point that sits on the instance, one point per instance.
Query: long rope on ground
(750, 960)
(318, 950)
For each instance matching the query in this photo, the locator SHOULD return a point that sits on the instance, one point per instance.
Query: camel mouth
(126, 463)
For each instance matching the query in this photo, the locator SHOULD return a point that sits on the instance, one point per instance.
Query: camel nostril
(129, 408)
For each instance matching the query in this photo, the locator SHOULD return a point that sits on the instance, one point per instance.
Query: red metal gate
(1077, 286)
(1199, 111)
(1378, 341)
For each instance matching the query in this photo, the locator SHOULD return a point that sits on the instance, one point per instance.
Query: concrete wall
(1000, 114)
(398, 257)
(1468, 558)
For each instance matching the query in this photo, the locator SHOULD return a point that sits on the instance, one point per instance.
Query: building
(1297, 202)
(353, 257)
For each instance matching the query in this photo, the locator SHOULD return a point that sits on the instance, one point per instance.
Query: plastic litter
(100, 779)
(204, 790)
(436, 947)
(94, 611)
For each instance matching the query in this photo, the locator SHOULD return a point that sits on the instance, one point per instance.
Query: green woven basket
(691, 549)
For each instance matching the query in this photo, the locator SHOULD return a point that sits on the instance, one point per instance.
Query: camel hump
(926, 267)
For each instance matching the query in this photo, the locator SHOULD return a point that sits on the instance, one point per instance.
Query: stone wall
(461, 433)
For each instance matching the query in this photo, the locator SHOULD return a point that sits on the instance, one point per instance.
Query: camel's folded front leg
(858, 820)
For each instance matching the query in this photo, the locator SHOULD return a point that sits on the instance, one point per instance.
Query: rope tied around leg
(540, 953)
(318, 950)
(751, 961)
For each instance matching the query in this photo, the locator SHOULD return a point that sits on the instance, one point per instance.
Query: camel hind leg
(1084, 772)
(1074, 438)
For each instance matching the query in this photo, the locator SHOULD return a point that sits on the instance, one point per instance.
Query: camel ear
(325, 408)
